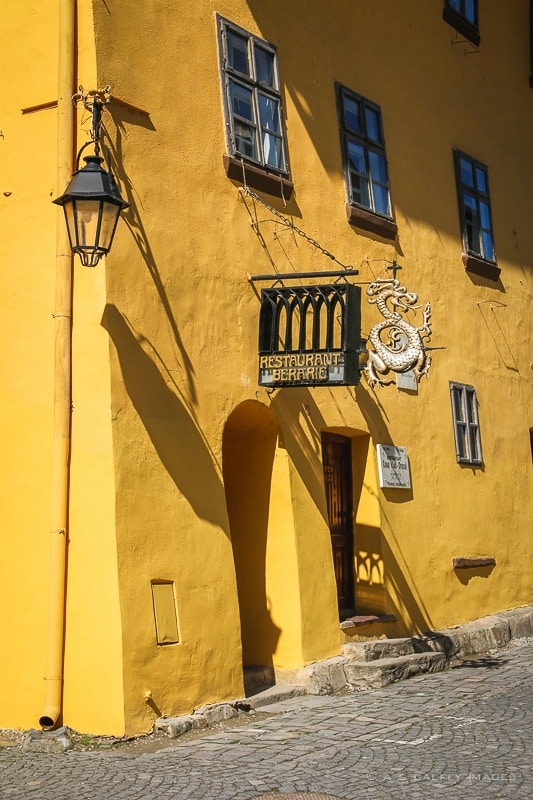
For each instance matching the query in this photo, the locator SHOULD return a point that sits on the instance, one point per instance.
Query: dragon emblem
(398, 346)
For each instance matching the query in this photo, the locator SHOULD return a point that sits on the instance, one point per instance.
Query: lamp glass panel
(70, 218)
(110, 216)
(87, 216)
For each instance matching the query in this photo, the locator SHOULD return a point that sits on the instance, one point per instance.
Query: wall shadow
(464, 576)
(123, 115)
(296, 407)
(175, 435)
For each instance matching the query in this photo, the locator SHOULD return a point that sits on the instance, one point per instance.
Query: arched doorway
(249, 446)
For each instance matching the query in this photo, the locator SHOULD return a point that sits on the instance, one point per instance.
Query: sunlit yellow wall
(27, 223)
(93, 669)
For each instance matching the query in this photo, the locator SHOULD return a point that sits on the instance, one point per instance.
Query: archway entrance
(249, 446)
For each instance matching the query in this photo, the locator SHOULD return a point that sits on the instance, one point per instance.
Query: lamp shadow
(174, 433)
(122, 115)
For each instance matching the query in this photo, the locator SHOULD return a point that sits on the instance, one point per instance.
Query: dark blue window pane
(356, 157)
(470, 203)
(488, 246)
(381, 199)
(269, 113)
(484, 212)
(467, 176)
(372, 125)
(238, 53)
(352, 114)
(264, 66)
(378, 167)
(481, 180)
(470, 11)
(241, 101)
(455, 4)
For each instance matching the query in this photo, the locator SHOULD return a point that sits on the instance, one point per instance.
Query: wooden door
(337, 463)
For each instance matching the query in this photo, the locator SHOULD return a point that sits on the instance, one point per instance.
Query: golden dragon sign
(398, 346)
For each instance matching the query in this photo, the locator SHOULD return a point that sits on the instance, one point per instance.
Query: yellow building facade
(214, 522)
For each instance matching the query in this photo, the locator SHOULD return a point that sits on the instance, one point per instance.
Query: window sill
(473, 563)
(257, 177)
(371, 222)
(461, 25)
(478, 266)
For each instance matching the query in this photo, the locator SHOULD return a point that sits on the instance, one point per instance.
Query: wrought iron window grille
(310, 335)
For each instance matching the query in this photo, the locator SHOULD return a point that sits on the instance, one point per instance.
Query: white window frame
(466, 424)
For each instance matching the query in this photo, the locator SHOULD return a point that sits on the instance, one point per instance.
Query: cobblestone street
(468, 731)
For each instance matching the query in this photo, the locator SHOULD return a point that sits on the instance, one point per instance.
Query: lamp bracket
(94, 101)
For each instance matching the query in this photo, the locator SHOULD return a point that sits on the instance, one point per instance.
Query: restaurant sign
(310, 336)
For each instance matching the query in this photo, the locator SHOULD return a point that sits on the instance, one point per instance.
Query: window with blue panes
(463, 16)
(474, 207)
(252, 97)
(365, 163)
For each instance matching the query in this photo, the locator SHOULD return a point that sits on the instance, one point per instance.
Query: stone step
(275, 694)
(382, 671)
(378, 649)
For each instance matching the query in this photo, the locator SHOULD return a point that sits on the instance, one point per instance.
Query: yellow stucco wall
(165, 351)
(93, 696)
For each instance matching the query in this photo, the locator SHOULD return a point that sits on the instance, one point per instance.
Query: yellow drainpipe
(62, 378)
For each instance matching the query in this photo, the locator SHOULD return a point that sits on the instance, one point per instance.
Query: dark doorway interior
(337, 463)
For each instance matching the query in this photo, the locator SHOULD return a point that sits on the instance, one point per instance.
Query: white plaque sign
(393, 465)
(407, 380)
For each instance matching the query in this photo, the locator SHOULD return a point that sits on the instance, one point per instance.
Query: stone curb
(211, 714)
(359, 670)
(58, 741)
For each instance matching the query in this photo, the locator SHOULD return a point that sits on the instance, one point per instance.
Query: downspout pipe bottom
(49, 718)
(52, 707)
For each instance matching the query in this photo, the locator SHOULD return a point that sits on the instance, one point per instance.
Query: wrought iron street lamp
(92, 202)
